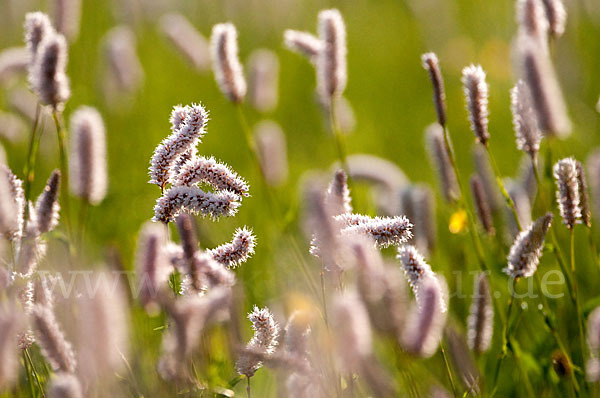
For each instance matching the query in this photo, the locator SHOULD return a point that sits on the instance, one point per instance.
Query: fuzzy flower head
(525, 253)
(568, 193)
(432, 66)
(188, 125)
(532, 19)
(584, 198)
(417, 271)
(527, 132)
(195, 201)
(556, 15)
(216, 174)
(226, 64)
(386, 231)
(48, 75)
(331, 60)
(47, 206)
(338, 194)
(236, 252)
(37, 27)
(476, 93)
(264, 341)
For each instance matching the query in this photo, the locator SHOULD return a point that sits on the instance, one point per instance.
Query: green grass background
(391, 97)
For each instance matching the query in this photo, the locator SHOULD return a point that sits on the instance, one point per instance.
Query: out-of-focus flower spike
(10, 324)
(441, 161)
(272, 152)
(557, 17)
(354, 338)
(124, 69)
(186, 39)
(37, 28)
(152, 269)
(88, 155)
(538, 73)
(418, 204)
(481, 317)
(226, 64)
(9, 208)
(263, 79)
(49, 78)
(65, 385)
(331, 60)
(476, 94)
(480, 201)
(67, 14)
(338, 195)
(103, 333)
(432, 66)
(593, 169)
(303, 43)
(47, 206)
(425, 325)
(584, 199)
(532, 20)
(56, 349)
(13, 61)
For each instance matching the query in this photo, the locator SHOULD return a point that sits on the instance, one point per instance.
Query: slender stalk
(505, 336)
(448, 371)
(84, 212)
(338, 136)
(31, 156)
(248, 386)
(33, 371)
(251, 144)
(577, 304)
(29, 375)
(550, 323)
(502, 188)
(64, 170)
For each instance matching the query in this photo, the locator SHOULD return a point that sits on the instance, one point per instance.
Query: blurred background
(387, 88)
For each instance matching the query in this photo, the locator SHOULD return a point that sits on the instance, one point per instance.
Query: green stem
(338, 137)
(64, 171)
(33, 371)
(448, 371)
(577, 305)
(31, 157)
(549, 320)
(29, 375)
(507, 198)
(505, 337)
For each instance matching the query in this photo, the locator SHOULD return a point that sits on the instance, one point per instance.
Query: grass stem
(64, 171)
